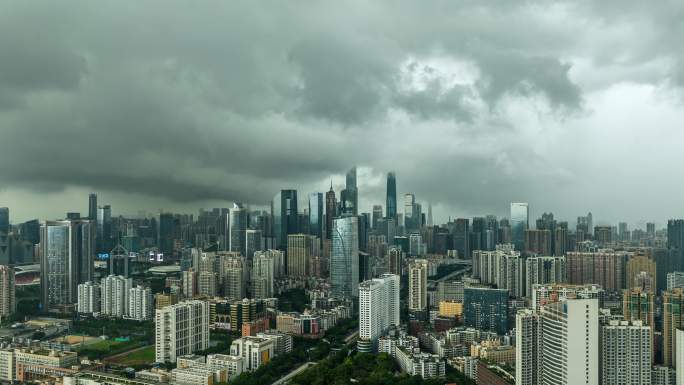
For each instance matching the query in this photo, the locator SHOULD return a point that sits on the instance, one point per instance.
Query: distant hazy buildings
(519, 223)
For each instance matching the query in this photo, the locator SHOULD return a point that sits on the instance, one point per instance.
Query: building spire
(331, 184)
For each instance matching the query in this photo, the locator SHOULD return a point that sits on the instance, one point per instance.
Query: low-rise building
(254, 350)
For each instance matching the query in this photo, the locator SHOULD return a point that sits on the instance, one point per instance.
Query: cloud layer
(570, 106)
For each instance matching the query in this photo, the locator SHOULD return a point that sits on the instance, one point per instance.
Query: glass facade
(519, 223)
(285, 219)
(391, 195)
(316, 214)
(344, 259)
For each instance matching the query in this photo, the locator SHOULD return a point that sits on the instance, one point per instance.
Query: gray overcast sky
(571, 106)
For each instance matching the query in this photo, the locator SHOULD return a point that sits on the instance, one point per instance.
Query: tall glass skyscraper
(285, 216)
(391, 195)
(316, 215)
(519, 223)
(67, 259)
(344, 259)
(238, 227)
(92, 206)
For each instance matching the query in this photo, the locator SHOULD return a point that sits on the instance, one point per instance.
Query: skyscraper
(104, 229)
(8, 303)
(350, 195)
(378, 309)
(181, 329)
(527, 348)
(519, 223)
(411, 220)
(263, 268)
(543, 270)
(285, 216)
(92, 206)
(237, 229)
(316, 215)
(377, 215)
(418, 285)
(300, 249)
(486, 309)
(673, 319)
(167, 233)
(4, 220)
(140, 303)
(344, 259)
(67, 259)
(114, 290)
(395, 258)
(569, 342)
(626, 351)
(254, 241)
(391, 203)
(330, 211)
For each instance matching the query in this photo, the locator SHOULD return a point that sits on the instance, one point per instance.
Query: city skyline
(471, 112)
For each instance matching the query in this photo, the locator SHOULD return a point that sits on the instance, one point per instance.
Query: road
(289, 376)
(433, 283)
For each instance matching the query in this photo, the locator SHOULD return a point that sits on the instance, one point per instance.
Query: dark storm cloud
(236, 100)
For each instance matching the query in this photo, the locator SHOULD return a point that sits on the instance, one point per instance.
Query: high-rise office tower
(344, 259)
(675, 234)
(67, 250)
(88, 298)
(330, 211)
(104, 229)
(411, 219)
(519, 223)
(114, 292)
(300, 249)
(4, 220)
(543, 270)
(429, 216)
(417, 281)
(673, 319)
(181, 329)
(378, 309)
(254, 241)
(167, 233)
(377, 215)
(8, 303)
(460, 231)
(140, 303)
(391, 201)
(486, 309)
(92, 206)
(570, 332)
(626, 351)
(316, 215)
(285, 216)
(528, 348)
(263, 268)
(237, 228)
(349, 197)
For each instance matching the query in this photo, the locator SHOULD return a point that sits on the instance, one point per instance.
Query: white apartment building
(181, 329)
